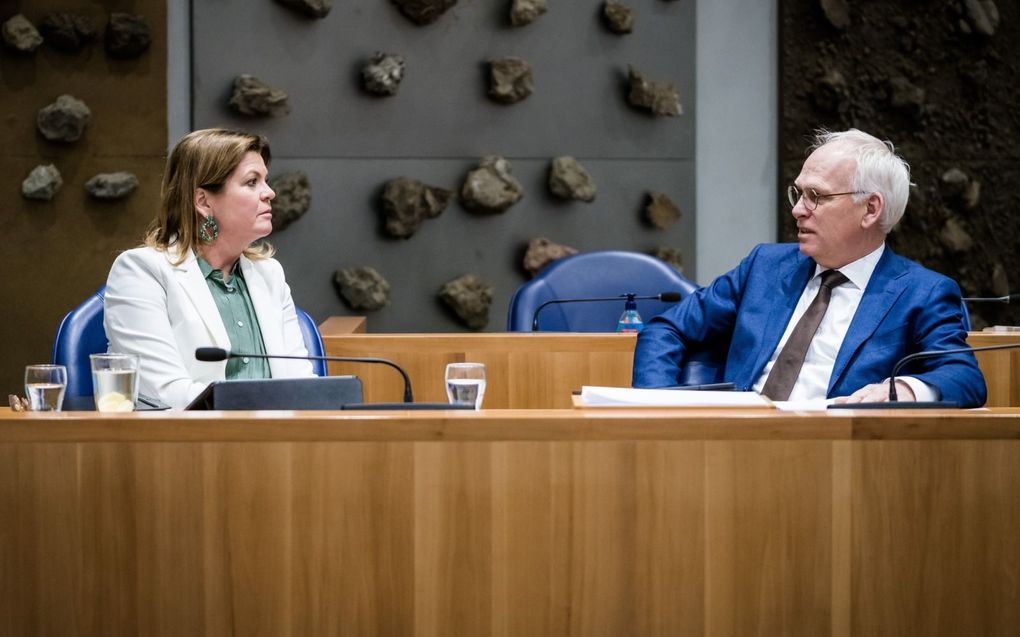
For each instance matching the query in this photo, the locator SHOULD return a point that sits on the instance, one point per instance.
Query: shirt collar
(209, 271)
(859, 272)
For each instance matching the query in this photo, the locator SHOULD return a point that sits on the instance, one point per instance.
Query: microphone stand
(919, 355)
(408, 397)
(665, 296)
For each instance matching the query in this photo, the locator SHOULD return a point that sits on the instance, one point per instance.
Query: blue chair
(588, 275)
(81, 333)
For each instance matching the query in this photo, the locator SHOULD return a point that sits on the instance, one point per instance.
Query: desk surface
(512, 424)
(505, 522)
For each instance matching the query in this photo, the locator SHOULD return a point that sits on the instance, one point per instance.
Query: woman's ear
(202, 203)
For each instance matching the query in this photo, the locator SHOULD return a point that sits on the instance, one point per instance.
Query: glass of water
(465, 383)
(44, 387)
(115, 381)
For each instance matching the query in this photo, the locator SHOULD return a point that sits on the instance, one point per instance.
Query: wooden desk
(529, 523)
(539, 370)
(523, 371)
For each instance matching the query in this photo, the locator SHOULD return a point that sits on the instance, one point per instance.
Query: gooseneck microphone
(894, 402)
(667, 297)
(933, 354)
(215, 354)
(1009, 298)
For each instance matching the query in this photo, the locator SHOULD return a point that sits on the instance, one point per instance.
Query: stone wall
(939, 79)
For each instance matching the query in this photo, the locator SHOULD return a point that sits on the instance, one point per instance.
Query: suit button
(240, 323)
(245, 360)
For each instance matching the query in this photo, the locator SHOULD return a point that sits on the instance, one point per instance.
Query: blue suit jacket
(905, 308)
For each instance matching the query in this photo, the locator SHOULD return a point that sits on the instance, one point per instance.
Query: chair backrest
(81, 333)
(588, 275)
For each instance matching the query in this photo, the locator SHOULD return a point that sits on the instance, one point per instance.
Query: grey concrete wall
(441, 123)
(737, 134)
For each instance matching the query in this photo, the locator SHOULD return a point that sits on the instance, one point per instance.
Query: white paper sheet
(592, 396)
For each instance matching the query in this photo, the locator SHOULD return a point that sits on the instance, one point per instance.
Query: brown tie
(787, 366)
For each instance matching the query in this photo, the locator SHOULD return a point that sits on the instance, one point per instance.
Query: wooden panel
(935, 531)
(523, 371)
(539, 370)
(1001, 368)
(619, 523)
(770, 530)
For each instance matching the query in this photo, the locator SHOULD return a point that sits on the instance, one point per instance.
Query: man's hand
(878, 393)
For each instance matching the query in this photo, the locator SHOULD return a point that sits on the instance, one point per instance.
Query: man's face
(835, 233)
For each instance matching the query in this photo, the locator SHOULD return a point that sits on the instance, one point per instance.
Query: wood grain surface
(559, 522)
(538, 370)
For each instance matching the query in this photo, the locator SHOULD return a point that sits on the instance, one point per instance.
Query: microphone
(215, 354)
(894, 400)
(666, 297)
(1009, 298)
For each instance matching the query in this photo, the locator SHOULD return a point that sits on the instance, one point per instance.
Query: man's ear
(202, 203)
(875, 206)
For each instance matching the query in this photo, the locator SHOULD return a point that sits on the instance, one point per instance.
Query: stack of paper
(626, 397)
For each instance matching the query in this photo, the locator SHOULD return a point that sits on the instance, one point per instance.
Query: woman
(199, 281)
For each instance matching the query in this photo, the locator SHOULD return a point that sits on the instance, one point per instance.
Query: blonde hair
(201, 159)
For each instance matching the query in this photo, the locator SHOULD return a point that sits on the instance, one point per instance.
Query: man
(829, 316)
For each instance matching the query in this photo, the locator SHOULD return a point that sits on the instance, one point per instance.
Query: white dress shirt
(813, 381)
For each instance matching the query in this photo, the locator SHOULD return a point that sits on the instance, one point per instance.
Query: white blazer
(163, 312)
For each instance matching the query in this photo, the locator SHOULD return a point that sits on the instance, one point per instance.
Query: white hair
(879, 169)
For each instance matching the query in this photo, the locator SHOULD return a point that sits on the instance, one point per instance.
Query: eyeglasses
(812, 197)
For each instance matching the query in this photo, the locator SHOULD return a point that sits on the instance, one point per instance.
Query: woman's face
(241, 207)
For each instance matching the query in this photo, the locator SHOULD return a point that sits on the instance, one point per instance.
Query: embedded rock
(541, 252)
(830, 94)
(670, 256)
(408, 202)
(383, 74)
(127, 36)
(618, 16)
(957, 186)
(293, 198)
(1000, 280)
(362, 288)
(423, 12)
(42, 183)
(64, 120)
(112, 185)
(470, 297)
(955, 237)
(837, 13)
(524, 12)
(569, 180)
(905, 96)
(954, 183)
(21, 35)
(660, 211)
(67, 32)
(252, 96)
(491, 187)
(661, 98)
(510, 80)
(982, 15)
(311, 8)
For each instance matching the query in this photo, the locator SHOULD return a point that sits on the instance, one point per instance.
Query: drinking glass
(465, 383)
(44, 387)
(114, 381)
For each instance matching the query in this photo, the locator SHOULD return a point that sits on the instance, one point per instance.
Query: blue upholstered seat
(593, 274)
(81, 333)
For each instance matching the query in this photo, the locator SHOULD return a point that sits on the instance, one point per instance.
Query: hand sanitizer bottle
(630, 320)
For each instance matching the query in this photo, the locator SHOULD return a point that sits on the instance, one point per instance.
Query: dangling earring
(209, 229)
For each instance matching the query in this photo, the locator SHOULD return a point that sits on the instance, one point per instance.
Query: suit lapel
(793, 275)
(883, 289)
(267, 312)
(189, 277)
